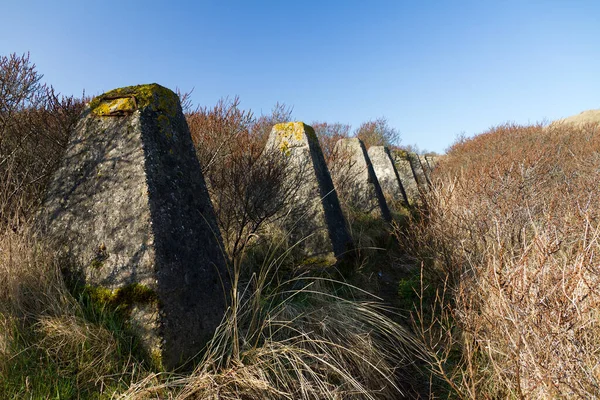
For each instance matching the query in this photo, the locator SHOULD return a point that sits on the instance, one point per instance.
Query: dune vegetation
(291, 331)
(487, 287)
(508, 243)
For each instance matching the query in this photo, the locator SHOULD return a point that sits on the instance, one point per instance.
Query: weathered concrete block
(431, 161)
(358, 185)
(131, 206)
(417, 169)
(426, 168)
(407, 177)
(387, 175)
(317, 220)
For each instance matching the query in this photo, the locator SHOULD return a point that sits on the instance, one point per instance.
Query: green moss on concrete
(128, 99)
(400, 153)
(122, 298)
(156, 360)
(319, 262)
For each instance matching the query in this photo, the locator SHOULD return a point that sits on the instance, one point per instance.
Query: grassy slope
(509, 237)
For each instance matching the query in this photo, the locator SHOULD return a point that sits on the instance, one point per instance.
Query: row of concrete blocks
(366, 181)
(130, 205)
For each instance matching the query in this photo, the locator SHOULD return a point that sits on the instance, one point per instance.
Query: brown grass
(45, 331)
(303, 343)
(511, 226)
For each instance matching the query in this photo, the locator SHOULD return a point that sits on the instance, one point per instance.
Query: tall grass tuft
(51, 342)
(299, 340)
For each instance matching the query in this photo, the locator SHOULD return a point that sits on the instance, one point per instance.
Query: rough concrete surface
(130, 205)
(387, 175)
(355, 179)
(317, 219)
(407, 177)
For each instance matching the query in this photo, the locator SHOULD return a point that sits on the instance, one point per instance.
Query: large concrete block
(317, 219)
(417, 169)
(431, 161)
(387, 174)
(426, 168)
(131, 207)
(357, 184)
(407, 177)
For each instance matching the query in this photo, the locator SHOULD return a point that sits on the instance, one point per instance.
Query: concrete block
(387, 174)
(317, 219)
(407, 177)
(356, 181)
(130, 205)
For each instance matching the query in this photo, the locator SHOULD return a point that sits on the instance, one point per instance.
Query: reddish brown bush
(511, 226)
(248, 184)
(328, 135)
(377, 133)
(35, 124)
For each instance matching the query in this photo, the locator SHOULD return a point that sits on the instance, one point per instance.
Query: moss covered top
(400, 153)
(288, 132)
(126, 100)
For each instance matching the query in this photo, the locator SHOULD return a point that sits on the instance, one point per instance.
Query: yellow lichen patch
(290, 130)
(285, 147)
(288, 133)
(157, 97)
(116, 106)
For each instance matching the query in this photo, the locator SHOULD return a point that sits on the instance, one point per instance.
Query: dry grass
(78, 347)
(298, 343)
(52, 343)
(30, 282)
(511, 226)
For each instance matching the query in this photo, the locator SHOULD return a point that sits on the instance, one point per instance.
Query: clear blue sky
(434, 69)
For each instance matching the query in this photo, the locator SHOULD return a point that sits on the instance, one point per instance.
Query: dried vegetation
(509, 243)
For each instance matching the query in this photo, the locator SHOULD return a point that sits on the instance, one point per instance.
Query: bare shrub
(328, 135)
(511, 225)
(262, 125)
(378, 133)
(35, 124)
(248, 184)
(342, 167)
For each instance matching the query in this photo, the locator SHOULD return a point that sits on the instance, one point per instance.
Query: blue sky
(433, 68)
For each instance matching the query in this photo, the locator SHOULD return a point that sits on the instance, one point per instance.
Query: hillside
(585, 117)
